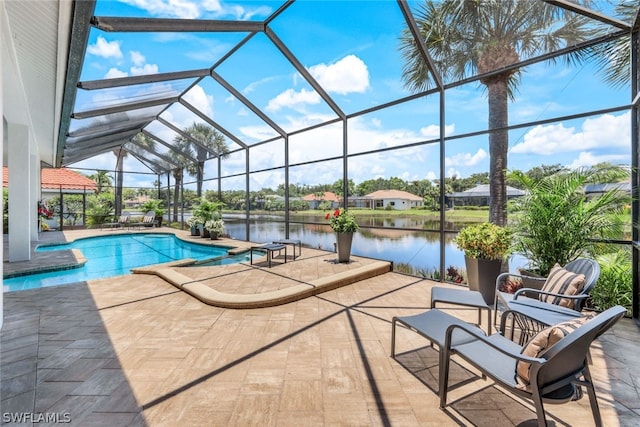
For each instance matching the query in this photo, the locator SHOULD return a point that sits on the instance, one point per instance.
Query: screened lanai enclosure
(263, 104)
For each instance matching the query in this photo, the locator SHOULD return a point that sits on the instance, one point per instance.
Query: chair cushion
(561, 281)
(543, 341)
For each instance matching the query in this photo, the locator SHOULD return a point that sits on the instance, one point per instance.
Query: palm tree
(557, 220)
(181, 163)
(483, 36)
(102, 180)
(614, 58)
(120, 154)
(210, 138)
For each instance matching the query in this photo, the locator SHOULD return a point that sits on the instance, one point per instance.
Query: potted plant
(485, 246)
(154, 205)
(344, 224)
(193, 222)
(556, 221)
(206, 211)
(215, 227)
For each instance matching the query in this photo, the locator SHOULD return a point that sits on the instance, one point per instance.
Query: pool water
(116, 255)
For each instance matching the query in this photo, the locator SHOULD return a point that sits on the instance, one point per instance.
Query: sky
(351, 49)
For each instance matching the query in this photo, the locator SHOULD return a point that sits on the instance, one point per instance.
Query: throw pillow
(561, 281)
(543, 341)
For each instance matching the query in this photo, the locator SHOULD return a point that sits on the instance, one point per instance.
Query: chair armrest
(479, 335)
(541, 292)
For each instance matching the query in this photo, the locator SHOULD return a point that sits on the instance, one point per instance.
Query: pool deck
(136, 350)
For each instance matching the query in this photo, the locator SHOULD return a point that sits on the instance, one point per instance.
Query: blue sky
(350, 48)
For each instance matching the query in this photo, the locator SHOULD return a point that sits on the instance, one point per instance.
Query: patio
(135, 350)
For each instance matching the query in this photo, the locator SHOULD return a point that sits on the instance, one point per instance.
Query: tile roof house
(390, 199)
(53, 181)
(315, 199)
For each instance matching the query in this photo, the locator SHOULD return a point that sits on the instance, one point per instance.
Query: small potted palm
(485, 246)
(193, 222)
(215, 227)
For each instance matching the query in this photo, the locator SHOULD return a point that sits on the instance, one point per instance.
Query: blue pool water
(116, 255)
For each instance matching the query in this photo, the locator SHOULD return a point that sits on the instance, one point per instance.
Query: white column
(35, 190)
(20, 200)
(2, 145)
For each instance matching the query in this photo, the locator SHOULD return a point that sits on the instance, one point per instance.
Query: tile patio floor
(134, 350)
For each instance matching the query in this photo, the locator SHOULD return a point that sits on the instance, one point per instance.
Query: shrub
(614, 285)
(484, 241)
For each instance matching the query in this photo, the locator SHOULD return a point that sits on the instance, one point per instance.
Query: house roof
(327, 195)
(392, 194)
(55, 179)
(603, 188)
(482, 190)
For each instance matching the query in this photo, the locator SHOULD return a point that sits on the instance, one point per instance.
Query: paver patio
(135, 350)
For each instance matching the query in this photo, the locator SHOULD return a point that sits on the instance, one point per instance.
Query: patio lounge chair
(552, 373)
(551, 304)
(546, 306)
(147, 220)
(123, 220)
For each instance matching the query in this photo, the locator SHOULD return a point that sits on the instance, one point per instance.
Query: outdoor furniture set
(277, 246)
(549, 363)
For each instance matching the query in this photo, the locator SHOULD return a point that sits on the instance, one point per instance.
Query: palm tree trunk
(118, 201)
(200, 178)
(498, 150)
(177, 177)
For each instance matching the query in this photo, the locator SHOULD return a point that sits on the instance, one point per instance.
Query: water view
(420, 249)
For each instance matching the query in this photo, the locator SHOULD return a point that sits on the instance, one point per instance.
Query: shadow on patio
(136, 351)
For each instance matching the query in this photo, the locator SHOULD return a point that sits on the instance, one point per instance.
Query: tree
(120, 154)
(102, 180)
(484, 36)
(210, 138)
(614, 58)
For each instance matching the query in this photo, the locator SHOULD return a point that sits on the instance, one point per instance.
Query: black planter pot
(482, 275)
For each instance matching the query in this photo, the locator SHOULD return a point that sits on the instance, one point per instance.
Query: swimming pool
(109, 256)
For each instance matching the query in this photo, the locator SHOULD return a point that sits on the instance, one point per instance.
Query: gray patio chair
(147, 220)
(546, 312)
(123, 220)
(528, 301)
(555, 375)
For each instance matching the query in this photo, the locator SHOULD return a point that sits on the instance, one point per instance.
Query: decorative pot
(482, 275)
(195, 231)
(344, 246)
(204, 233)
(214, 235)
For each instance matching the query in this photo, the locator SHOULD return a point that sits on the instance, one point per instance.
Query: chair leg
(537, 401)
(443, 382)
(393, 337)
(591, 391)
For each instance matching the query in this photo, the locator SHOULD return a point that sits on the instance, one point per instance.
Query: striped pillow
(561, 281)
(541, 342)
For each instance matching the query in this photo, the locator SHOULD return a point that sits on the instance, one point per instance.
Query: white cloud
(348, 75)
(137, 58)
(466, 159)
(433, 131)
(292, 99)
(587, 158)
(186, 9)
(199, 99)
(144, 70)
(105, 49)
(115, 73)
(604, 131)
(172, 8)
(452, 172)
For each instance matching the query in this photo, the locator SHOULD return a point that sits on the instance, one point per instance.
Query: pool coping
(76, 259)
(301, 290)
